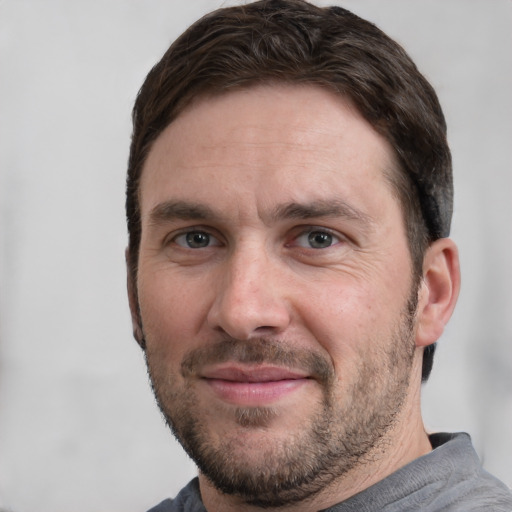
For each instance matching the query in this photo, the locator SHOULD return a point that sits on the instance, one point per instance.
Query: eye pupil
(197, 239)
(319, 239)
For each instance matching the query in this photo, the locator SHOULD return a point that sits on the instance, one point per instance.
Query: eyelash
(195, 231)
(314, 231)
(311, 232)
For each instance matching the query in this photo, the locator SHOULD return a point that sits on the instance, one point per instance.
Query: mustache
(259, 351)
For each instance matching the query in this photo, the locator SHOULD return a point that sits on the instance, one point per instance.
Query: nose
(250, 299)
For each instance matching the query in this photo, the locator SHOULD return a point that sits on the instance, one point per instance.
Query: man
(289, 199)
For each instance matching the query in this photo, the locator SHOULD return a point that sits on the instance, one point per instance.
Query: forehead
(276, 140)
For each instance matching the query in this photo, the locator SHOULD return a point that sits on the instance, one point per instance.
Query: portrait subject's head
(289, 202)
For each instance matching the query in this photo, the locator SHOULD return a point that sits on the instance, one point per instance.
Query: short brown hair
(293, 41)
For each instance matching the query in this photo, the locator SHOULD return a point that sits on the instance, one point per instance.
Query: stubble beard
(326, 446)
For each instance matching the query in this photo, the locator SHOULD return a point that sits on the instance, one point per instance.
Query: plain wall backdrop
(79, 429)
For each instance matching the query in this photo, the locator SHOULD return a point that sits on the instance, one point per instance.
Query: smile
(257, 386)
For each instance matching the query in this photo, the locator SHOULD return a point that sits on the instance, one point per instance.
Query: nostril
(265, 328)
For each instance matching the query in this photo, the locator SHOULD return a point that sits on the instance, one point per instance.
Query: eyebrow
(182, 210)
(321, 208)
(169, 211)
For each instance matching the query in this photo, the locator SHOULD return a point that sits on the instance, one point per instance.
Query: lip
(253, 386)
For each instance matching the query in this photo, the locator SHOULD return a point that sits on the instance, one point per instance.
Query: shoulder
(450, 478)
(463, 484)
(188, 500)
(164, 506)
(478, 493)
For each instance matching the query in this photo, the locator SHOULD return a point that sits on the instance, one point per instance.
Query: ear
(438, 291)
(134, 302)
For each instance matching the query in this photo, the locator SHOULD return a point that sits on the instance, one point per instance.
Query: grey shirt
(450, 478)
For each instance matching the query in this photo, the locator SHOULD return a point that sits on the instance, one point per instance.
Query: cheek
(172, 315)
(349, 320)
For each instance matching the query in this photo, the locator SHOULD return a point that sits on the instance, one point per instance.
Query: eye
(317, 239)
(196, 240)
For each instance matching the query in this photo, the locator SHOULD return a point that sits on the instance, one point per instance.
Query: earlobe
(438, 291)
(134, 303)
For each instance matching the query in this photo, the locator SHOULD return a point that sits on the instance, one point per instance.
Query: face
(274, 289)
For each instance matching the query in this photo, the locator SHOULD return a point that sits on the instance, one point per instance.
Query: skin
(273, 290)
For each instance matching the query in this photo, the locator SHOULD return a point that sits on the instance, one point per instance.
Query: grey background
(79, 430)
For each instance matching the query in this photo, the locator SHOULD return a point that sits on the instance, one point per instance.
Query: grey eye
(319, 239)
(196, 240)
(316, 239)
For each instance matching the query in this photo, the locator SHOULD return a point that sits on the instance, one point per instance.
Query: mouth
(253, 385)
